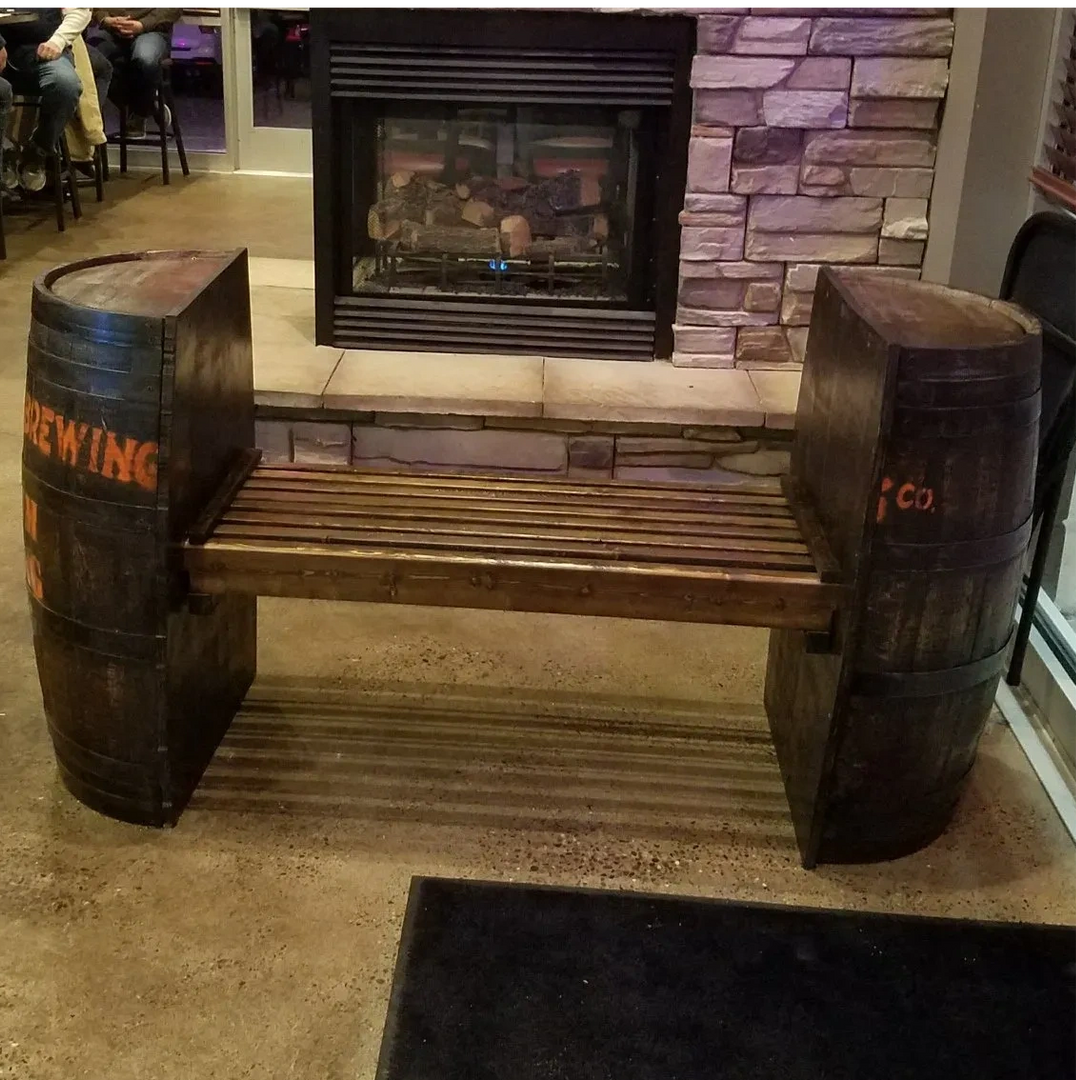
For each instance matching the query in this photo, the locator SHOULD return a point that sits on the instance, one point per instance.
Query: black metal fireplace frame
(628, 60)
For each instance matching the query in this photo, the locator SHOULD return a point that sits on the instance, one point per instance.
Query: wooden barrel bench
(887, 565)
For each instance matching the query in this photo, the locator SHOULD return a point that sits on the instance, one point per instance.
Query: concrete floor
(257, 939)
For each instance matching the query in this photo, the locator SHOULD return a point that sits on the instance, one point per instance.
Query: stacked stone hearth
(577, 449)
(813, 142)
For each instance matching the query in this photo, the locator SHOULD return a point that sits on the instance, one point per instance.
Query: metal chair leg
(177, 134)
(1034, 584)
(99, 157)
(123, 140)
(67, 174)
(162, 128)
(56, 178)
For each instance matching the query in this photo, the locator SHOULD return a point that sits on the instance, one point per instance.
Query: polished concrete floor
(257, 939)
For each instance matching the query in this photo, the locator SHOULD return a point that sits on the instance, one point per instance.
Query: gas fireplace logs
(560, 216)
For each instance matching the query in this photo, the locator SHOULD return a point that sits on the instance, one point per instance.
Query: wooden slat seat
(887, 563)
(682, 553)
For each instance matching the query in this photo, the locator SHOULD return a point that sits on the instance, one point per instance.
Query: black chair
(99, 164)
(3, 242)
(62, 175)
(100, 169)
(164, 97)
(1040, 276)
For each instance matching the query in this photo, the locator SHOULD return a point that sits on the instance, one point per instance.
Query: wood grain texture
(687, 554)
(138, 388)
(916, 441)
(896, 541)
(147, 283)
(941, 580)
(207, 424)
(843, 414)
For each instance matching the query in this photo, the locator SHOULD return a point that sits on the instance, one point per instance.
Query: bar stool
(99, 164)
(163, 98)
(61, 172)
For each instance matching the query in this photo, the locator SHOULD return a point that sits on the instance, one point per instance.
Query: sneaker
(136, 126)
(167, 116)
(9, 175)
(32, 173)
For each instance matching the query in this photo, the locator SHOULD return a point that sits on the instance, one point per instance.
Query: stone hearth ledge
(302, 376)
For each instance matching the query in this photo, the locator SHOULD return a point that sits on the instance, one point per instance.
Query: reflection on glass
(514, 202)
(280, 67)
(197, 82)
(1059, 582)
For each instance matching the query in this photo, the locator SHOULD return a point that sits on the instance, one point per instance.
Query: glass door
(201, 77)
(272, 65)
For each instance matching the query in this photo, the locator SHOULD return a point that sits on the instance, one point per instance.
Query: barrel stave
(136, 692)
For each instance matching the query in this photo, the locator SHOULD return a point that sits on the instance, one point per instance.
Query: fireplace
(499, 181)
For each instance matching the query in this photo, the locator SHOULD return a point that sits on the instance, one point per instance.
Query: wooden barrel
(950, 532)
(118, 348)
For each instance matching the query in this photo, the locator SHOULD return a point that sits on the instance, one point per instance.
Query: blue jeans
(102, 72)
(54, 81)
(136, 65)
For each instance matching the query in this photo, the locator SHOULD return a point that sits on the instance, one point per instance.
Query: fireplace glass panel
(511, 202)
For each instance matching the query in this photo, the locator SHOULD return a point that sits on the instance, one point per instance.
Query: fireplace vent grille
(545, 76)
(366, 322)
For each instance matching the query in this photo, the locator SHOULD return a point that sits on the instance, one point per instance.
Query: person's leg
(6, 94)
(114, 51)
(147, 52)
(59, 88)
(102, 72)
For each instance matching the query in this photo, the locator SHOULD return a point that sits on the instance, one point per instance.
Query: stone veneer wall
(581, 450)
(813, 142)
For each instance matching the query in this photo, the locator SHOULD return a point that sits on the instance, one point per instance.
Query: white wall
(1002, 62)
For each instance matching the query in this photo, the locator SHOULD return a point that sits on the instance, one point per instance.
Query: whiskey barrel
(102, 504)
(938, 589)
(913, 469)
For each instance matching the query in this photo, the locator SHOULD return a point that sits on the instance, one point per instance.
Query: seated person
(134, 41)
(102, 72)
(38, 64)
(7, 184)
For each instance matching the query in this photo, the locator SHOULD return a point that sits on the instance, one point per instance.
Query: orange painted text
(908, 496)
(91, 449)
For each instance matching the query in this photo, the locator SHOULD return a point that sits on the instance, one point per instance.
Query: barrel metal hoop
(84, 379)
(138, 775)
(967, 421)
(93, 324)
(103, 642)
(78, 370)
(135, 517)
(945, 392)
(1018, 356)
(920, 684)
(138, 808)
(956, 555)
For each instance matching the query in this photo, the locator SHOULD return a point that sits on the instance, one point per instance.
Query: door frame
(258, 148)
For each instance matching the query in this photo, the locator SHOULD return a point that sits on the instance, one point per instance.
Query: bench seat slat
(557, 585)
(491, 482)
(427, 507)
(670, 554)
(265, 521)
(721, 555)
(715, 500)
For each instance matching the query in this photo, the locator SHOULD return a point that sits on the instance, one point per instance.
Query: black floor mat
(509, 982)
